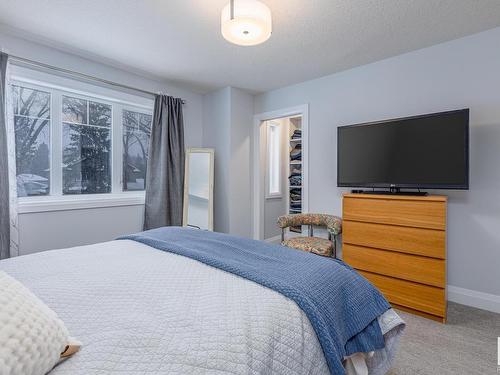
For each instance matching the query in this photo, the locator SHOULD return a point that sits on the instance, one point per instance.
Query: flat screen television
(421, 152)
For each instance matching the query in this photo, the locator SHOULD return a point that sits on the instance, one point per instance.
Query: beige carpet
(466, 344)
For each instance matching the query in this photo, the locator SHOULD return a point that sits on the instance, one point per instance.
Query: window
(86, 146)
(136, 133)
(273, 160)
(32, 133)
(72, 143)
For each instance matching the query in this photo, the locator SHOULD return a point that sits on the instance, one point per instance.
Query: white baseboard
(274, 239)
(485, 301)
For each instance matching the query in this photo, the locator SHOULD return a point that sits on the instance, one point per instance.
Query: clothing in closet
(295, 180)
(297, 134)
(296, 153)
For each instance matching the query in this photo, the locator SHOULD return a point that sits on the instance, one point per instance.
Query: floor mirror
(199, 189)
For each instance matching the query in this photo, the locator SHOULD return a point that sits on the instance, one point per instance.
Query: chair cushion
(331, 222)
(316, 245)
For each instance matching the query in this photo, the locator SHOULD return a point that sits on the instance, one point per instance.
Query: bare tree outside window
(85, 128)
(32, 133)
(136, 133)
(86, 146)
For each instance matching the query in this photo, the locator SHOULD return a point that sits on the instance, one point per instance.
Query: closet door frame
(258, 186)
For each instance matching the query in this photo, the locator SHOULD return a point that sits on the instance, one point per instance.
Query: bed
(151, 304)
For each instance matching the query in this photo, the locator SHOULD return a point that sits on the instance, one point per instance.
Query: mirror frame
(211, 152)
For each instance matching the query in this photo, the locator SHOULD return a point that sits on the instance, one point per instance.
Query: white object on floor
(137, 309)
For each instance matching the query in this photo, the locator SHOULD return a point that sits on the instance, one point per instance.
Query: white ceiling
(180, 40)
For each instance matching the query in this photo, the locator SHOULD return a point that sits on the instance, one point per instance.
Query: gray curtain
(165, 171)
(4, 167)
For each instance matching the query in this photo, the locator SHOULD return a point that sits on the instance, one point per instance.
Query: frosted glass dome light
(246, 22)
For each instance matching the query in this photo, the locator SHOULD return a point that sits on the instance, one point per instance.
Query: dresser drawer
(412, 213)
(420, 241)
(415, 296)
(403, 266)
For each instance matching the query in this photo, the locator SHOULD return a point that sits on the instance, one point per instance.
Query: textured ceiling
(180, 40)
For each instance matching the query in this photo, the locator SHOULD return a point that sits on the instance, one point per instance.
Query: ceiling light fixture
(246, 22)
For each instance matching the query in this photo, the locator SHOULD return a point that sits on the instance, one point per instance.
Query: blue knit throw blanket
(341, 305)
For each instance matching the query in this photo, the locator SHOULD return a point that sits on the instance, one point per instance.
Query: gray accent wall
(217, 135)
(240, 182)
(227, 125)
(41, 231)
(457, 74)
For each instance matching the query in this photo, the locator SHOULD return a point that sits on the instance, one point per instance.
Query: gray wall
(240, 184)
(458, 74)
(216, 134)
(58, 229)
(61, 229)
(227, 123)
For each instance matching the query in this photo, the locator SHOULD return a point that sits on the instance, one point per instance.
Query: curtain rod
(25, 61)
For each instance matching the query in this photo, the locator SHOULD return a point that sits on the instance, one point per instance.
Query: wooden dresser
(399, 244)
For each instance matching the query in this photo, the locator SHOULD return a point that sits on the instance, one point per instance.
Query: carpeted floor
(466, 344)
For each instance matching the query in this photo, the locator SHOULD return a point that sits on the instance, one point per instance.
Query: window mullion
(56, 143)
(117, 149)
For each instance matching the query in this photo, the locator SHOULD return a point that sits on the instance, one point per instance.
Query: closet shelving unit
(295, 123)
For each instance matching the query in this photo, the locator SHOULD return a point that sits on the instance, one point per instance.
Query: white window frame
(270, 126)
(57, 87)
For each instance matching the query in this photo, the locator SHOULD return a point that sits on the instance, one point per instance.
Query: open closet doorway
(280, 170)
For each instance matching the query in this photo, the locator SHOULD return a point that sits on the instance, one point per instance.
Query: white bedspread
(138, 310)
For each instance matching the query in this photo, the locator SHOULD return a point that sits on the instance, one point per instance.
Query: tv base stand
(391, 191)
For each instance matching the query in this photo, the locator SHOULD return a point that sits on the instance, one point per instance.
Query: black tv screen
(429, 151)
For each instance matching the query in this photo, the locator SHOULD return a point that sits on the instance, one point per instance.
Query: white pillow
(32, 337)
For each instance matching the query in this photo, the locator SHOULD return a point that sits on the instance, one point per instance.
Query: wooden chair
(316, 245)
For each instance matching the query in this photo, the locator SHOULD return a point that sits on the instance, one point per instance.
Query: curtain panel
(9, 232)
(4, 163)
(165, 168)
(12, 164)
